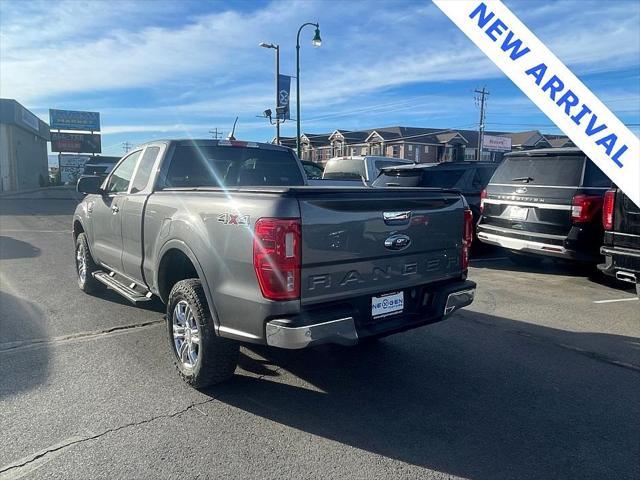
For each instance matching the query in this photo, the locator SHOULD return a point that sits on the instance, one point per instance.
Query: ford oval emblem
(397, 242)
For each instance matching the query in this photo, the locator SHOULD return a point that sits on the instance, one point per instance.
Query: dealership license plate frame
(518, 213)
(387, 304)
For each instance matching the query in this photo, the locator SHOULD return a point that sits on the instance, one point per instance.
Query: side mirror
(90, 184)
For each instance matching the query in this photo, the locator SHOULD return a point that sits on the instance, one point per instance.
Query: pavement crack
(82, 439)
(39, 342)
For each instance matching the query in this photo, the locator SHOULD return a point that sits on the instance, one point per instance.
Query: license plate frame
(387, 304)
(518, 213)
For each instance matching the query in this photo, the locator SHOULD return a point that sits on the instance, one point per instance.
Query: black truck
(621, 246)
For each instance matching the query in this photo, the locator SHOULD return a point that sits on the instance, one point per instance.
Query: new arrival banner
(552, 87)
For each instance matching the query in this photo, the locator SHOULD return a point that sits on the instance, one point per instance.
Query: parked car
(240, 249)
(545, 203)
(312, 170)
(99, 165)
(621, 247)
(470, 178)
(361, 169)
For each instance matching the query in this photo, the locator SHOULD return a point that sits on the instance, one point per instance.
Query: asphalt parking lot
(539, 378)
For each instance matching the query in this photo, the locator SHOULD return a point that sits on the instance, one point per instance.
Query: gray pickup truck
(240, 249)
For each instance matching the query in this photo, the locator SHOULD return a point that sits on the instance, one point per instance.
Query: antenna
(231, 135)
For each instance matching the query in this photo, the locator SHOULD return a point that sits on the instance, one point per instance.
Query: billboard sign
(493, 143)
(74, 120)
(75, 142)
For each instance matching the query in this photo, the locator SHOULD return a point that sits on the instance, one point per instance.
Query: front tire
(85, 266)
(201, 357)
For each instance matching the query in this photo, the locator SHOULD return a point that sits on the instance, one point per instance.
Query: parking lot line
(616, 300)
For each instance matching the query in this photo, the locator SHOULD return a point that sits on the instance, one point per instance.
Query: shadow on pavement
(551, 267)
(21, 318)
(11, 248)
(460, 398)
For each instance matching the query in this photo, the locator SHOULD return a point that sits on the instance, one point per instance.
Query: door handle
(115, 209)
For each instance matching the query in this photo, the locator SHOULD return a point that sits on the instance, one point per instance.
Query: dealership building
(23, 148)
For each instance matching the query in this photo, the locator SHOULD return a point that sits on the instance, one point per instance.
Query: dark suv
(621, 248)
(545, 202)
(470, 178)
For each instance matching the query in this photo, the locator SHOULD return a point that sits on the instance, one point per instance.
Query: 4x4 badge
(234, 219)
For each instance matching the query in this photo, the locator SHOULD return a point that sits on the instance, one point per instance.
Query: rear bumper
(537, 246)
(622, 263)
(286, 333)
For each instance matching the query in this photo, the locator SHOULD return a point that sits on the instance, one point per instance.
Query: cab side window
(121, 176)
(144, 169)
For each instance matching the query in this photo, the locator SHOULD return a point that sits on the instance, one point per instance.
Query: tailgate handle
(396, 218)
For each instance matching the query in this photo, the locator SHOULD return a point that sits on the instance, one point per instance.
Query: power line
(216, 134)
(126, 146)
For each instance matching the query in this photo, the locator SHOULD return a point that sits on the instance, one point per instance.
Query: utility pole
(126, 146)
(215, 134)
(481, 99)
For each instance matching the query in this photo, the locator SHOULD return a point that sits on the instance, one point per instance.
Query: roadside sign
(74, 120)
(71, 167)
(75, 142)
(494, 143)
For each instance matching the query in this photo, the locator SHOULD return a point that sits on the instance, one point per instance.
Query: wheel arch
(176, 253)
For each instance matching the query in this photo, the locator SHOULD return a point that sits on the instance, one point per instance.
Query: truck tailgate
(364, 241)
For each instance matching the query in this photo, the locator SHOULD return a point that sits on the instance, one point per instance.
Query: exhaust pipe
(626, 277)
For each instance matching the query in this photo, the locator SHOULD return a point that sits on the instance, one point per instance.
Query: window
(411, 148)
(344, 169)
(121, 176)
(563, 170)
(396, 151)
(593, 176)
(144, 169)
(426, 149)
(363, 151)
(199, 165)
(441, 178)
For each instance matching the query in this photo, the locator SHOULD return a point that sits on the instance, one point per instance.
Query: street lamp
(277, 49)
(316, 42)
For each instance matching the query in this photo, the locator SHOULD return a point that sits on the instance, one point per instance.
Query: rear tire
(524, 260)
(201, 357)
(85, 266)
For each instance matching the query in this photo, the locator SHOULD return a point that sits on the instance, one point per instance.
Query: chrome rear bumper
(343, 331)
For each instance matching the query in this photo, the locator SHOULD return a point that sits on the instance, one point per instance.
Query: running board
(127, 291)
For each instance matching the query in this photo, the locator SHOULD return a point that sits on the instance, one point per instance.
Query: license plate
(387, 304)
(518, 213)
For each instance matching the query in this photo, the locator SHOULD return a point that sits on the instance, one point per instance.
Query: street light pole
(277, 49)
(316, 43)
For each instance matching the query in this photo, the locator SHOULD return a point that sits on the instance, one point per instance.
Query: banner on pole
(284, 89)
(552, 87)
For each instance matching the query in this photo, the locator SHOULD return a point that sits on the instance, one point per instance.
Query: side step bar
(127, 291)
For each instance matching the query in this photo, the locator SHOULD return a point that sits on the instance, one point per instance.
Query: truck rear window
(221, 166)
(344, 169)
(561, 171)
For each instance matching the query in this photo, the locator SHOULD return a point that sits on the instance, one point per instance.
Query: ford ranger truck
(229, 236)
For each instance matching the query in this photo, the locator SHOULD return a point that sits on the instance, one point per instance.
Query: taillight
(467, 238)
(585, 207)
(607, 209)
(483, 195)
(277, 257)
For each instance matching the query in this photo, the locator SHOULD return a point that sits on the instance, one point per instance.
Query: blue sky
(157, 69)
